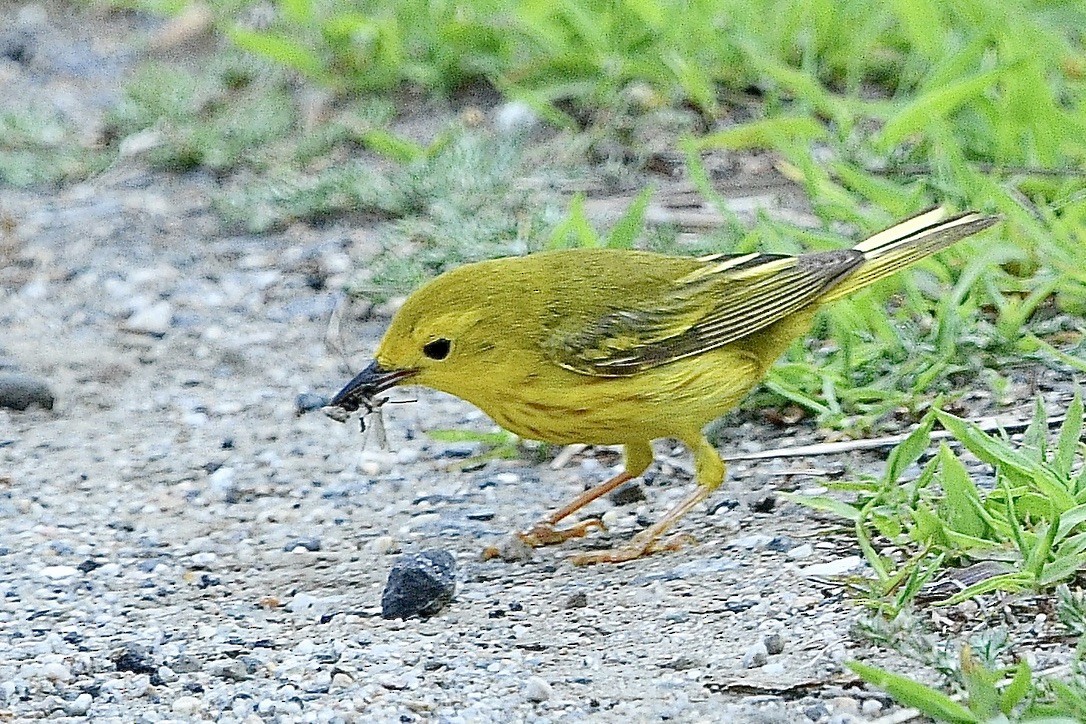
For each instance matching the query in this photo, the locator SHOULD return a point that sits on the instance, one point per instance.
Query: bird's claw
(545, 534)
(633, 550)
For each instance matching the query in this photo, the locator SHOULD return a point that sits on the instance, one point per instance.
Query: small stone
(306, 604)
(308, 402)
(627, 494)
(135, 658)
(753, 542)
(186, 705)
(682, 663)
(871, 708)
(305, 544)
(537, 689)
(844, 705)
(774, 643)
(19, 391)
(56, 671)
(755, 656)
(419, 585)
(186, 664)
(577, 600)
(340, 681)
(80, 705)
(384, 545)
(800, 552)
(167, 675)
(511, 549)
(832, 568)
(154, 320)
(58, 572)
(407, 456)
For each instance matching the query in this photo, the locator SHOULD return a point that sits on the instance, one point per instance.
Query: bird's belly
(674, 400)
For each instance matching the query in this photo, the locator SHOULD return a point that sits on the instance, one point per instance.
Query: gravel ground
(176, 542)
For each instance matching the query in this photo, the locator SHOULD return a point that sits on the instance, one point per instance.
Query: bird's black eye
(438, 349)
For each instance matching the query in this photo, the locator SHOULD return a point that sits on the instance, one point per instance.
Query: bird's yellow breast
(677, 400)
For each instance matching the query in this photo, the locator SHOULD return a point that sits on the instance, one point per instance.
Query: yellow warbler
(607, 346)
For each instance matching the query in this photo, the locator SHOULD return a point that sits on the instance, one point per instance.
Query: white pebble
(58, 572)
(537, 689)
(80, 705)
(801, 552)
(832, 568)
(186, 705)
(340, 682)
(154, 319)
(56, 671)
(756, 656)
(384, 545)
(407, 455)
(871, 707)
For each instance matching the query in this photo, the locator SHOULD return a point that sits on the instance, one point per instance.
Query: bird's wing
(724, 299)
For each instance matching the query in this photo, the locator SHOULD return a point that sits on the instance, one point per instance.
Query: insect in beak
(366, 385)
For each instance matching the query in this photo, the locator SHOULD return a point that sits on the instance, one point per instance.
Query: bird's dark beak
(369, 382)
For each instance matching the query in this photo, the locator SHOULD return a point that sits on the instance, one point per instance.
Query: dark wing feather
(720, 302)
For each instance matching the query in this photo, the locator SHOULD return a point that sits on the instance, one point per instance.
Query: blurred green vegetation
(875, 109)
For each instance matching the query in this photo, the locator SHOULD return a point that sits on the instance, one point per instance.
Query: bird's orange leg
(543, 533)
(709, 473)
(648, 541)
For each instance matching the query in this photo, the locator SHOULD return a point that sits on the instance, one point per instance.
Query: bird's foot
(545, 534)
(640, 545)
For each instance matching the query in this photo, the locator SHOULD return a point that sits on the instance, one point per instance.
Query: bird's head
(449, 335)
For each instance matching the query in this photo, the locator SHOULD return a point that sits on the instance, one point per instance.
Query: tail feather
(907, 243)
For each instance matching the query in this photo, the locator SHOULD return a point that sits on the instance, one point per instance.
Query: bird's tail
(907, 243)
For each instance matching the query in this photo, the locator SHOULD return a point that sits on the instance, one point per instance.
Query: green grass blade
(908, 692)
(1069, 438)
(625, 232)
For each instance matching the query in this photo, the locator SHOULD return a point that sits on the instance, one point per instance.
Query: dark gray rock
(627, 494)
(419, 584)
(19, 391)
(135, 658)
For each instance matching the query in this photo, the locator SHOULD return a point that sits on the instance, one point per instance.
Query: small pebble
(56, 671)
(871, 707)
(384, 545)
(340, 681)
(774, 643)
(80, 705)
(58, 572)
(420, 584)
(844, 705)
(19, 391)
(537, 689)
(303, 544)
(800, 552)
(755, 656)
(627, 494)
(308, 402)
(153, 320)
(135, 658)
(511, 549)
(186, 705)
(832, 568)
(577, 600)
